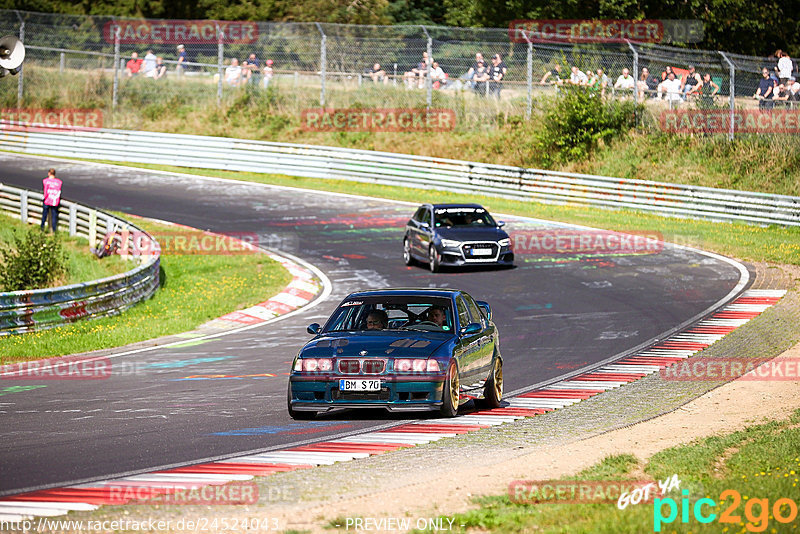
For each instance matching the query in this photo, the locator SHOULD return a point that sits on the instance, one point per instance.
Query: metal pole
(115, 92)
(731, 90)
(20, 83)
(220, 61)
(323, 63)
(428, 84)
(635, 79)
(61, 62)
(530, 80)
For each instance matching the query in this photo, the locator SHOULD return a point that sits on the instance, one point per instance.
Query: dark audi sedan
(456, 235)
(399, 349)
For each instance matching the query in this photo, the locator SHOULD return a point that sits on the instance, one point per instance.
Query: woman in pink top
(52, 199)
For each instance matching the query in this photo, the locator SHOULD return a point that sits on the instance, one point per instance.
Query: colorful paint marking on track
(86, 497)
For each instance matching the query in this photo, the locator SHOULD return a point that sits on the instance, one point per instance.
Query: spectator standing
(134, 65)
(233, 74)
(480, 79)
(577, 76)
(553, 76)
(471, 72)
(51, 200)
(267, 72)
(378, 75)
(149, 66)
(690, 81)
(181, 60)
(672, 87)
(766, 86)
(784, 67)
(497, 71)
(625, 81)
(252, 69)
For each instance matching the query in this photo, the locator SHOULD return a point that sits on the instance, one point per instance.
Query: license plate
(481, 252)
(359, 385)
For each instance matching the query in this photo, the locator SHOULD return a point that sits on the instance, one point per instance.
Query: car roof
(438, 292)
(460, 205)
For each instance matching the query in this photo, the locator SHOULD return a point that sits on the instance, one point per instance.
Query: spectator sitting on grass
(378, 74)
(161, 69)
(251, 69)
(438, 77)
(647, 84)
(149, 66)
(794, 90)
(625, 81)
(665, 72)
(233, 74)
(578, 77)
(765, 88)
(497, 71)
(780, 96)
(420, 71)
(707, 90)
(134, 65)
(553, 76)
(689, 81)
(599, 81)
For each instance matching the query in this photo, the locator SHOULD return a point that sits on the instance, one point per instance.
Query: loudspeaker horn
(12, 54)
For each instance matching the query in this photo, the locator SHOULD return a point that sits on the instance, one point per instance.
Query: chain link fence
(85, 62)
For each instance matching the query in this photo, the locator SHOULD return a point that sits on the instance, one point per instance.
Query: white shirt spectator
(672, 88)
(233, 75)
(149, 65)
(794, 88)
(626, 83)
(784, 67)
(578, 78)
(437, 73)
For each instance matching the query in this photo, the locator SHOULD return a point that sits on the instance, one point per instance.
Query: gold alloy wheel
(498, 379)
(455, 386)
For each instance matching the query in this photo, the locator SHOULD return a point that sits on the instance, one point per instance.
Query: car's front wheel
(433, 259)
(493, 390)
(407, 252)
(451, 392)
(297, 414)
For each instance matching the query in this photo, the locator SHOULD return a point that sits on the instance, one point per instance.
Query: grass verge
(82, 265)
(194, 289)
(771, 244)
(744, 473)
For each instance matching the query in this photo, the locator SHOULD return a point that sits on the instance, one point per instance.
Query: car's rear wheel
(433, 259)
(407, 252)
(451, 392)
(493, 390)
(297, 414)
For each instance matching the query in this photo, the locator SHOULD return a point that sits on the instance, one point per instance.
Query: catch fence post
(323, 63)
(732, 91)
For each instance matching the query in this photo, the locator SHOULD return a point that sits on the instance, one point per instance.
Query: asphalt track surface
(555, 315)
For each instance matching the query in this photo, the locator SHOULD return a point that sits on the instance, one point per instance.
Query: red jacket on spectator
(134, 65)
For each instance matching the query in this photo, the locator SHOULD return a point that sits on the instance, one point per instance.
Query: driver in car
(377, 320)
(436, 314)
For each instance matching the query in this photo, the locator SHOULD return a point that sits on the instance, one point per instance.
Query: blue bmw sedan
(456, 235)
(399, 349)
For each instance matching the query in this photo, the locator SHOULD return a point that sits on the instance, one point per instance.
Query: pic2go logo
(756, 511)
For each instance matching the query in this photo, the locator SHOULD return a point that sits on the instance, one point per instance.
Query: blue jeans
(53, 210)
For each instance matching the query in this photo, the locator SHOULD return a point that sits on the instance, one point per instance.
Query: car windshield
(462, 216)
(392, 313)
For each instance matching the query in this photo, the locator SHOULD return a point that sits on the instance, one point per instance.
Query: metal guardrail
(386, 168)
(26, 311)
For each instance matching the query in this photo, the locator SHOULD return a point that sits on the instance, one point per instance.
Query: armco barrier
(25, 311)
(397, 169)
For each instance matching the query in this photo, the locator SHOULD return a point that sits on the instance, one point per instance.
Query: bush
(34, 261)
(577, 119)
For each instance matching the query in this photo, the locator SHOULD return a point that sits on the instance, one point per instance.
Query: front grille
(373, 367)
(349, 367)
(382, 395)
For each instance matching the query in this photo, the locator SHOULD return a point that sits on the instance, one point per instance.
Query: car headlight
(449, 243)
(418, 365)
(504, 242)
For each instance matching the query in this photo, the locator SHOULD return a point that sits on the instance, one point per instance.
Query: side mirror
(501, 224)
(470, 329)
(484, 306)
(313, 328)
